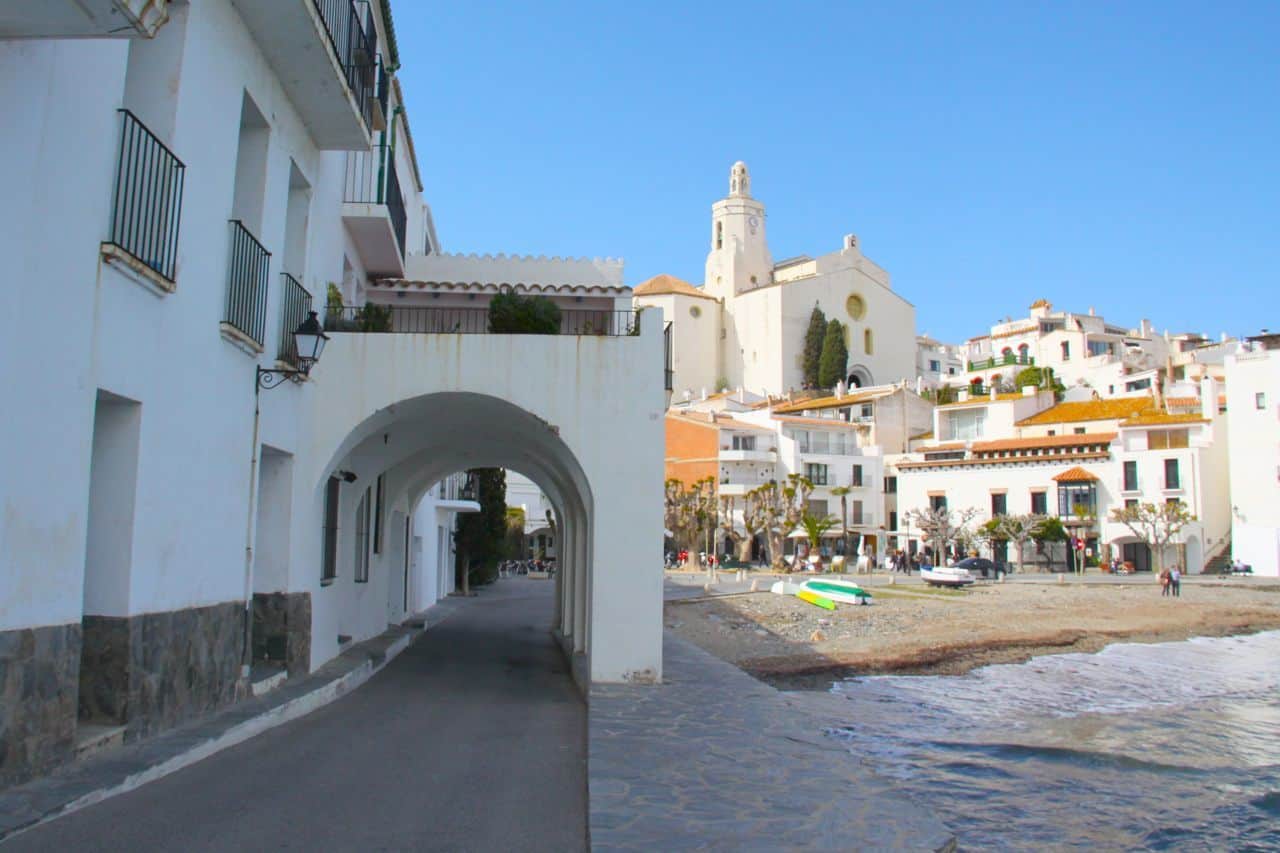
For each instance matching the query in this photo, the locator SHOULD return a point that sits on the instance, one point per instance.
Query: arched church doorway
(859, 377)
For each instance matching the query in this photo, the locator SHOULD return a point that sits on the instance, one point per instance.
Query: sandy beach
(912, 629)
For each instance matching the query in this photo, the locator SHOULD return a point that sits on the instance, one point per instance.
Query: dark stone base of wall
(147, 672)
(183, 663)
(282, 630)
(38, 670)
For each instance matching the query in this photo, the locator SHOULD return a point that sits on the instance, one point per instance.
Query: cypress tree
(813, 338)
(835, 356)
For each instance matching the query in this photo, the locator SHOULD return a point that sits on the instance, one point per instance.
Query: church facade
(745, 326)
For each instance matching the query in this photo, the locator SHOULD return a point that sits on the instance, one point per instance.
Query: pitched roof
(1116, 408)
(733, 423)
(1075, 475)
(663, 284)
(1043, 441)
(834, 401)
(1041, 303)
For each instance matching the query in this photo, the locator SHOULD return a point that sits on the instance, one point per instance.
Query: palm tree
(815, 526)
(842, 492)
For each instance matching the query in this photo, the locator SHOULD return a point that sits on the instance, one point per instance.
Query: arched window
(719, 235)
(866, 341)
(1023, 351)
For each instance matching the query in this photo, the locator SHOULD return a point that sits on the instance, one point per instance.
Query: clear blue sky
(1121, 155)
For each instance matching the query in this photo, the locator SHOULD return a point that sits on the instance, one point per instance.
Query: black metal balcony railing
(147, 208)
(295, 302)
(247, 283)
(669, 373)
(1001, 360)
(354, 47)
(395, 204)
(427, 320)
(371, 178)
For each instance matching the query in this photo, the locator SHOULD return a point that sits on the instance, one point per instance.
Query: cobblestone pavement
(714, 760)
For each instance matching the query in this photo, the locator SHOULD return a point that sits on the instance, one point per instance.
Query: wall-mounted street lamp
(309, 340)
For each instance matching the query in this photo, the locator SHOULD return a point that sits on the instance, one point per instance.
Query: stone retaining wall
(38, 672)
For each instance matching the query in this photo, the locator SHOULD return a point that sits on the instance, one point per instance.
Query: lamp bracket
(268, 379)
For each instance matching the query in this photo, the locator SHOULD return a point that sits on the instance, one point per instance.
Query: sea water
(1166, 746)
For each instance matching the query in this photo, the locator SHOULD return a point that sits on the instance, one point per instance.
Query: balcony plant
(511, 313)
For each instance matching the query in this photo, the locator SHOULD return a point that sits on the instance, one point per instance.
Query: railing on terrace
(295, 302)
(371, 178)
(395, 204)
(430, 320)
(247, 283)
(147, 208)
(1001, 361)
(354, 48)
(668, 373)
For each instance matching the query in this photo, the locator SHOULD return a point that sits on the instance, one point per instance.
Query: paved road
(472, 739)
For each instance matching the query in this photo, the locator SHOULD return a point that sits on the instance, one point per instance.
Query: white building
(1082, 349)
(745, 327)
(1012, 454)
(1253, 394)
(938, 363)
(179, 194)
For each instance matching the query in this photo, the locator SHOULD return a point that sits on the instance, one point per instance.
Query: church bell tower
(739, 259)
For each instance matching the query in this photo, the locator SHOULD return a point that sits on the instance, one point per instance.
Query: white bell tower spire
(739, 259)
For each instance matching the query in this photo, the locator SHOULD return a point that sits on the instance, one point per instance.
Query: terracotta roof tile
(1075, 475)
(826, 422)
(660, 285)
(833, 402)
(1156, 418)
(985, 398)
(1044, 441)
(1116, 408)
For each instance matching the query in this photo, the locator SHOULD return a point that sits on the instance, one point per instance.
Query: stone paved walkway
(714, 760)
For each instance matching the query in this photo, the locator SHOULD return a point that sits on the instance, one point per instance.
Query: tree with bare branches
(689, 511)
(941, 526)
(1019, 530)
(776, 508)
(1155, 524)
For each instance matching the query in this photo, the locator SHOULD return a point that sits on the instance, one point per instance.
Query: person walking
(1166, 578)
(1175, 582)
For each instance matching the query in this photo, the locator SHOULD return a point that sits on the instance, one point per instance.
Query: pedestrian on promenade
(1166, 579)
(1175, 582)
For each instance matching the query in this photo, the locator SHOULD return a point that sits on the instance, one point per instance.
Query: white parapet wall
(515, 270)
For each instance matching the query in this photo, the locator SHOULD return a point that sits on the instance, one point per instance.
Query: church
(745, 326)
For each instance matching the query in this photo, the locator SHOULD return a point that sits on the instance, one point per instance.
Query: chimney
(742, 394)
(1208, 398)
(704, 392)
(919, 384)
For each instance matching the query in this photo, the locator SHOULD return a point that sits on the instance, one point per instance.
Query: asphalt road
(474, 738)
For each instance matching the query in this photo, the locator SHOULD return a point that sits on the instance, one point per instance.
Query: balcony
(84, 19)
(426, 320)
(295, 302)
(245, 319)
(1002, 361)
(146, 209)
(324, 53)
(373, 210)
(764, 455)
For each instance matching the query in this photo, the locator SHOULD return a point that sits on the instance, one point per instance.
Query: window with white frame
(966, 425)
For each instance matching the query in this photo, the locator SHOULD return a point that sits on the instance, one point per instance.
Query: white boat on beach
(838, 589)
(946, 576)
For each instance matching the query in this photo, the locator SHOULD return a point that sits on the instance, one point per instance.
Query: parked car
(983, 566)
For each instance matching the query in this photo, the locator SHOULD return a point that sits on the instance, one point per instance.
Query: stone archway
(414, 408)
(860, 377)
